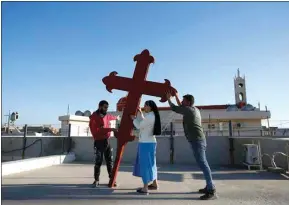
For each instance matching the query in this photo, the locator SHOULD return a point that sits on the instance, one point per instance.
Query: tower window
(241, 85)
(241, 96)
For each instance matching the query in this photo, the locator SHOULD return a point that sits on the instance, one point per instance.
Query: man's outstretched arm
(178, 100)
(175, 108)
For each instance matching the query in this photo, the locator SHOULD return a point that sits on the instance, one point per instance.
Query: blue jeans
(199, 149)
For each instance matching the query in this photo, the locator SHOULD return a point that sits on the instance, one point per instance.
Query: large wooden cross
(136, 87)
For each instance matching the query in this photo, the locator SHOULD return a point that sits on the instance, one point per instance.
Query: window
(241, 96)
(241, 85)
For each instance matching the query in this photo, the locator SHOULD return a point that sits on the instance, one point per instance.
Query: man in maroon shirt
(100, 130)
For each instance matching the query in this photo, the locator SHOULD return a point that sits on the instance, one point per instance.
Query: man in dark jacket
(192, 123)
(100, 130)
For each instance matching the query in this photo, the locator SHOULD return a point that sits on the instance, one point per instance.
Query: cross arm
(112, 81)
(158, 89)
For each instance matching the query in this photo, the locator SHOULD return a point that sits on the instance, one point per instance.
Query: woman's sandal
(141, 191)
(153, 187)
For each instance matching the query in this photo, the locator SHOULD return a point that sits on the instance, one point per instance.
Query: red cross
(136, 87)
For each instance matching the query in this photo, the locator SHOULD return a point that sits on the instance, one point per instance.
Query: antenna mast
(68, 110)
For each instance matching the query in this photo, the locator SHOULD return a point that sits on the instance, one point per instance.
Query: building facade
(245, 119)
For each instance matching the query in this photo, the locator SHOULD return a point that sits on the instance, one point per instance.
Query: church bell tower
(240, 89)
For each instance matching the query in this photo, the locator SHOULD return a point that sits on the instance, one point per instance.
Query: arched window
(241, 96)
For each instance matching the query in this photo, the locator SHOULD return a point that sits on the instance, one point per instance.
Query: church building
(244, 117)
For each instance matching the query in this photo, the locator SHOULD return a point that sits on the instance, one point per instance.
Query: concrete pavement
(69, 184)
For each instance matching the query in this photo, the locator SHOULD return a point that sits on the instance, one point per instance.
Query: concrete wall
(217, 151)
(43, 146)
(84, 149)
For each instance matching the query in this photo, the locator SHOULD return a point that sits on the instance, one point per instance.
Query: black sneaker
(209, 195)
(94, 184)
(203, 191)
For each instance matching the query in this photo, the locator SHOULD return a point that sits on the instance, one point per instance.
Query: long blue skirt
(145, 164)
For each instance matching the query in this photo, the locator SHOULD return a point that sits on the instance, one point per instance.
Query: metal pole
(231, 141)
(269, 130)
(287, 153)
(209, 125)
(8, 123)
(24, 141)
(260, 155)
(172, 150)
(63, 143)
(69, 138)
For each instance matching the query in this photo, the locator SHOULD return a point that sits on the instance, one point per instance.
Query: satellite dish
(78, 113)
(248, 107)
(87, 113)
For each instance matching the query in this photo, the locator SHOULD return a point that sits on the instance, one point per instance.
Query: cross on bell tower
(240, 89)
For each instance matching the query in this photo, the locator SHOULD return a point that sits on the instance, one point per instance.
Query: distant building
(41, 130)
(245, 118)
(275, 131)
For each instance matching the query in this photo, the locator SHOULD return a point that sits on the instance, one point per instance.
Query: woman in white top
(149, 125)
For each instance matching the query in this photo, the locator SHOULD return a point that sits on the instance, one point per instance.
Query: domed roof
(248, 107)
(232, 108)
(122, 100)
(79, 113)
(87, 113)
(121, 104)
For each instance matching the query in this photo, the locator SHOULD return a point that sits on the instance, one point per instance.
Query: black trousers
(102, 147)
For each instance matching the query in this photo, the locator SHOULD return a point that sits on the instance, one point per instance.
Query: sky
(56, 53)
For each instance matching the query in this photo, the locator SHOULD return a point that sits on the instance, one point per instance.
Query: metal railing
(25, 146)
(83, 130)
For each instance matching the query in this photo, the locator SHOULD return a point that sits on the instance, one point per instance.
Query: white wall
(18, 166)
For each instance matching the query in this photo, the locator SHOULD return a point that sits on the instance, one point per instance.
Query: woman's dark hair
(155, 109)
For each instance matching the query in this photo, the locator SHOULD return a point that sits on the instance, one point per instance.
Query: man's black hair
(102, 103)
(189, 98)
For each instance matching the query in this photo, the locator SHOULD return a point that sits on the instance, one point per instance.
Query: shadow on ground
(258, 175)
(168, 173)
(171, 173)
(77, 192)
